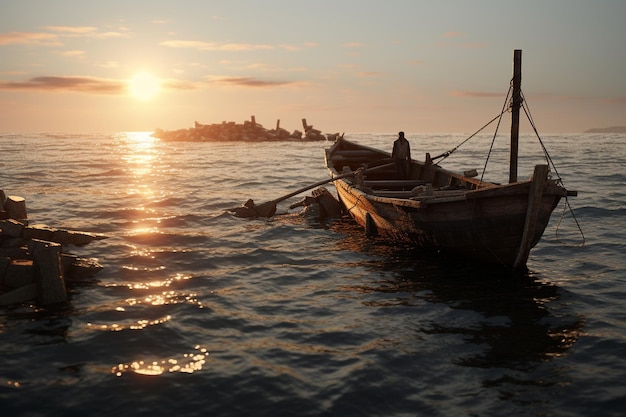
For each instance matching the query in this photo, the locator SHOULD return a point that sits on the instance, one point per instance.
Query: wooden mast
(516, 103)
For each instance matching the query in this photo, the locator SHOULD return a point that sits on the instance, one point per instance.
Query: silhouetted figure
(401, 154)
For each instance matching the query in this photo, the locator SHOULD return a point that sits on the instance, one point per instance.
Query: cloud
(453, 34)
(75, 52)
(87, 31)
(250, 82)
(216, 46)
(109, 35)
(94, 85)
(475, 94)
(29, 38)
(467, 45)
(110, 64)
(353, 45)
(53, 38)
(181, 85)
(213, 46)
(369, 73)
(67, 84)
(80, 30)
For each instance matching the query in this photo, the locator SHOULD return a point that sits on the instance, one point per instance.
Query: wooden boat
(446, 211)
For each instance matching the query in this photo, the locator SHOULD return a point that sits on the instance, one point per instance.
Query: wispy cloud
(78, 30)
(95, 85)
(75, 52)
(66, 84)
(54, 34)
(353, 45)
(475, 94)
(88, 32)
(214, 46)
(466, 45)
(369, 74)
(233, 46)
(29, 38)
(453, 34)
(183, 85)
(251, 82)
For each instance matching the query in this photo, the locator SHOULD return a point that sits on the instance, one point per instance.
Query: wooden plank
(392, 194)
(359, 152)
(50, 275)
(15, 207)
(394, 183)
(535, 196)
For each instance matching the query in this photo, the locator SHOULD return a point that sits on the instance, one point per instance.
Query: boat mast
(516, 103)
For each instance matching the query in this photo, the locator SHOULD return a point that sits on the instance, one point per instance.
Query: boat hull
(488, 229)
(454, 214)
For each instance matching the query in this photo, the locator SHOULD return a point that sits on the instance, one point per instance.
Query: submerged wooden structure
(33, 264)
(441, 210)
(248, 131)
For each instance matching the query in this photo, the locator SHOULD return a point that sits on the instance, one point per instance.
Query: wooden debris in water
(248, 131)
(32, 263)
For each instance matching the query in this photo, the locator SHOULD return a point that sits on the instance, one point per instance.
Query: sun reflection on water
(138, 325)
(139, 153)
(190, 363)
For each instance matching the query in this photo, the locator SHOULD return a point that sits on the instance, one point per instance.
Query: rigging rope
(559, 179)
(506, 106)
(448, 153)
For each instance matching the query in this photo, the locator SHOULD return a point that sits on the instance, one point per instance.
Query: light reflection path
(139, 153)
(190, 363)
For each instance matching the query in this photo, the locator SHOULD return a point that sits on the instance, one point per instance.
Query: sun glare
(144, 86)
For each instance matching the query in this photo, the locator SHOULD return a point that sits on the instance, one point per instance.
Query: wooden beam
(535, 196)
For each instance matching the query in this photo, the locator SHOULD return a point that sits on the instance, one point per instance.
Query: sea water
(197, 312)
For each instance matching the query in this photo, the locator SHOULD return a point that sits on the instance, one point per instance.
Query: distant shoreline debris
(612, 129)
(248, 131)
(33, 265)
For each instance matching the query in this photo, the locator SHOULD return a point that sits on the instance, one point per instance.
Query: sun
(144, 86)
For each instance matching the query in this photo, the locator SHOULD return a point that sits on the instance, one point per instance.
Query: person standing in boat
(401, 154)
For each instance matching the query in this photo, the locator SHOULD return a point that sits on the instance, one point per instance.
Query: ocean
(199, 313)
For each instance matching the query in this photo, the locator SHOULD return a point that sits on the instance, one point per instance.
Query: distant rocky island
(613, 129)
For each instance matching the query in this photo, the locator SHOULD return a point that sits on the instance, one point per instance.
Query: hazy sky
(344, 65)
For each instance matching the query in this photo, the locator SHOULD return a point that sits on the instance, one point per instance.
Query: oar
(268, 209)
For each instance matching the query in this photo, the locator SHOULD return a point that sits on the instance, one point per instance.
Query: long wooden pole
(268, 208)
(516, 103)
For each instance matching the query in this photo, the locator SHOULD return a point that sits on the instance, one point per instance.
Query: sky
(420, 66)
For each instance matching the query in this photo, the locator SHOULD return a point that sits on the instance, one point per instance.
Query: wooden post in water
(516, 103)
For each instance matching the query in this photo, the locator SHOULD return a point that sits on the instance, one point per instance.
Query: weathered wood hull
(463, 216)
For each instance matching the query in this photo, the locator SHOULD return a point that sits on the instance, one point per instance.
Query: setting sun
(144, 86)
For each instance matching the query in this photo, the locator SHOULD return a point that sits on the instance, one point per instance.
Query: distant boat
(445, 211)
